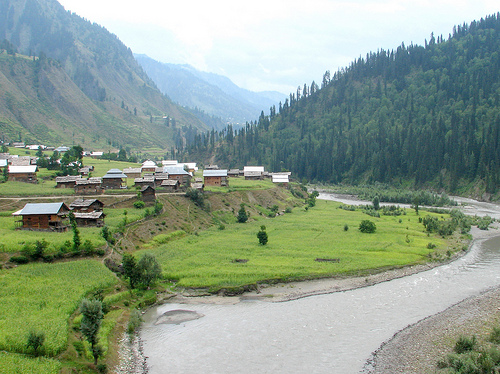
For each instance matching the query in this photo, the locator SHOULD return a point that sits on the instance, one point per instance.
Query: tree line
(425, 114)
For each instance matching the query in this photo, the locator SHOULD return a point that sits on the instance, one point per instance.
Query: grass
(43, 297)
(42, 188)
(206, 259)
(240, 184)
(12, 363)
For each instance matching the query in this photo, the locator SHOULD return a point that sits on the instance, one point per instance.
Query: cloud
(275, 43)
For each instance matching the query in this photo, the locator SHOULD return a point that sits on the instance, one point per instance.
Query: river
(332, 333)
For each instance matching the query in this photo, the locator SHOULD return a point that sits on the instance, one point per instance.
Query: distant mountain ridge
(120, 105)
(215, 94)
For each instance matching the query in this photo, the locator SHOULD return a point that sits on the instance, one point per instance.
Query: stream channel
(331, 333)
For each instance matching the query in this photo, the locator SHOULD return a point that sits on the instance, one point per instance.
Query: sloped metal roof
(215, 173)
(41, 208)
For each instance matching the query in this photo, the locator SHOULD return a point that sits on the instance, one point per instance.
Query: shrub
(35, 342)
(495, 335)
(139, 204)
(134, 321)
(465, 344)
(242, 214)
(367, 226)
(19, 260)
(346, 227)
(262, 235)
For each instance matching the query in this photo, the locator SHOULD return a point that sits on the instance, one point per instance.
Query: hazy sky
(274, 44)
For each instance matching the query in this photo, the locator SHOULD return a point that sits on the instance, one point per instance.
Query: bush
(465, 344)
(139, 204)
(242, 214)
(262, 235)
(19, 260)
(367, 226)
(346, 227)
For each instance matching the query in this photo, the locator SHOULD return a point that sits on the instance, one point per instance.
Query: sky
(275, 45)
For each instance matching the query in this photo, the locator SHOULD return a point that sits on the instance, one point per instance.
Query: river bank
(299, 290)
(417, 348)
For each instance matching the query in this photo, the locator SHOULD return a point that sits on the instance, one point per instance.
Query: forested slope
(429, 115)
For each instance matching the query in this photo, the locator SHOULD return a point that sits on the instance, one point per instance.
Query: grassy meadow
(42, 297)
(13, 363)
(295, 241)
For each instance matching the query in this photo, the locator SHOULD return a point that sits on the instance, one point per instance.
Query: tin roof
(22, 169)
(215, 173)
(41, 208)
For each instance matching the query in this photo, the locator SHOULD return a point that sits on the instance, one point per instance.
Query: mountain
(427, 116)
(73, 81)
(212, 93)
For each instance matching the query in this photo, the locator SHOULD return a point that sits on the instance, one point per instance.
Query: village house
(62, 149)
(177, 173)
(25, 174)
(170, 185)
(169, 163)
(190, 167)
(148, 194)
(132, 173)
(114, 179)
(148, 166)
(88, 212)
(21, 161)
(91, 186)
(253, 172)
(68, 181)
(215, 177)
(19, 145)
(96, 154)
(3, 163)
(281, 178)
(44, 216)
(85, 171)
(234, 173)
(144, 181)
(86, 206)
(198, 186)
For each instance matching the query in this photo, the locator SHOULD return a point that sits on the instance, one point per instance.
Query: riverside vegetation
(198, 244)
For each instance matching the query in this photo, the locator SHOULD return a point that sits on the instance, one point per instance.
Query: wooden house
(68, 181)
(44, 216)
(114, 179)
(170, 185)
(88, 212)
(215, 177)
(148, 194)
(145, 181)
(253, 172)
(177, 173)
(25, 174)
(148, 166)
(90, 219)
(85, 171)
(90, 186)
(86, 206)
(132, 172)
(281, 178)
(234, 173)
(198, 186)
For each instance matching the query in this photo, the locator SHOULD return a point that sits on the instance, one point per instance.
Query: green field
(12, 363)
(42, 297)
(295, 241)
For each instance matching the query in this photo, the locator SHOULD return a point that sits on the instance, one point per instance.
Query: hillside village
(146, 179)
